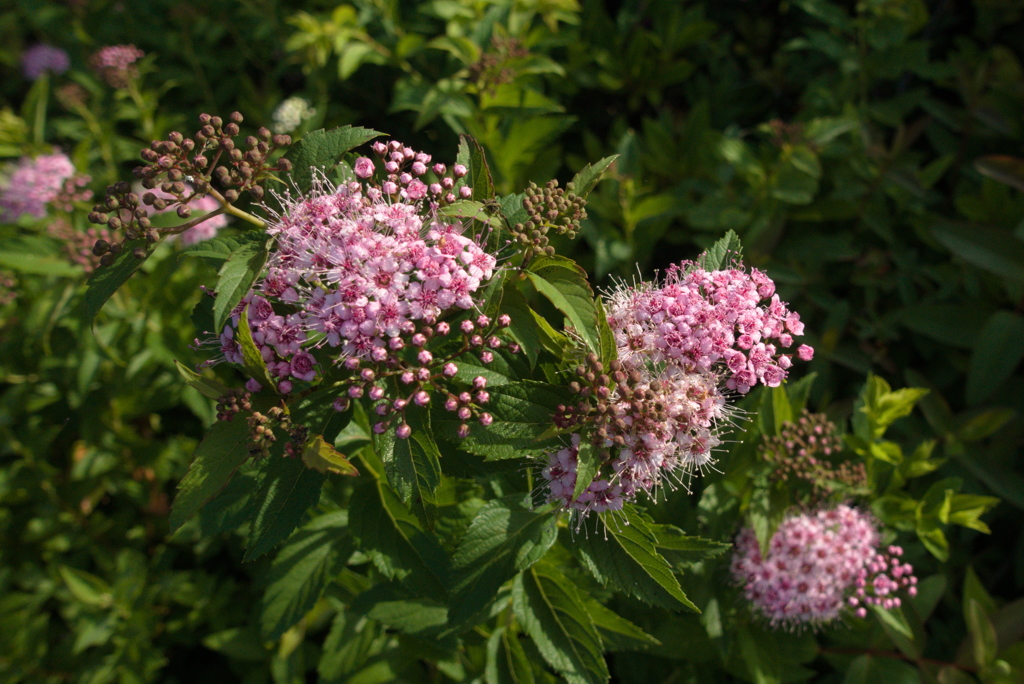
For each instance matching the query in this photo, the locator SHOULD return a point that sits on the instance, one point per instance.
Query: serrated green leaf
(721, 254)
(302, 570)
(320, 151)
(391, 536)
(618, 633)
(590, 175)
(221, 247)
(507, 662)
(236, 278)
(523, 327)
(321, 456)
(565, 285)
(997, 353)
(522, 413)
(413, 465)
(552, 613)
(504, 538)
(106, 280)
(218, 456)
(678, 545)
(624, 554)
(287, 489)
(208, 387)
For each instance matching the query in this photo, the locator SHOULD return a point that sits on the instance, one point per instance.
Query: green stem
(231, 209)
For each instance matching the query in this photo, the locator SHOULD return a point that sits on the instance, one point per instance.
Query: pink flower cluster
(48, 178)
(116, 64)
(661, 418)
(41, 58)
(819, 565)
(700, 318)
(203, 204)
(361, 279)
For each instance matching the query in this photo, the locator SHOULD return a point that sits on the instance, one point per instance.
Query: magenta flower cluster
(700, 318)
(43, 58)
(37, 182)
(115, 64)
(820, 565)
(675, 345)
(361, 278)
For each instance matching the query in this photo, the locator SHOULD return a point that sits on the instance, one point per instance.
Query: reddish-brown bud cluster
(807, 450)
(549, 208)
(261, 430)
(231, 404)
(497, 66)
(187, 169)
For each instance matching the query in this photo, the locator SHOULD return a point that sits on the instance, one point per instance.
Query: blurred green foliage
(868, 155)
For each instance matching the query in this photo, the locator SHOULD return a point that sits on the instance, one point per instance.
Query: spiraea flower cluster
(290, 114)
(36, 183)
(42, 58)
(182, 174)
(366, 287)
(116, 64)
(820, 565)
(806, 450)
(654, 416)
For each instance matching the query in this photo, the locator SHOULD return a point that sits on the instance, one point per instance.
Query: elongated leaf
(302, 570)
(1003, 168)
(218, 456)
(992, 249)
(722, 254)
(504, 538)
(320, 151)
(507, 662)
(590, 175)
(387, 532)
(997, 353)
(522, 413)
(106, 280)
(552, 613)
(413, 465)
(471, 154)
(320, 455)
(252, 360)
(287, 489)
(565, 285)
(220, 248)
(35, 254)
(86, 587)
(588, 462)
(624, 554)
(685, 548)
(609, 349)
(618, 633)
(208, 387)
(523, 327)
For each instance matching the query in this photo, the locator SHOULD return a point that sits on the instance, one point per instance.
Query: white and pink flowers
(819, 565)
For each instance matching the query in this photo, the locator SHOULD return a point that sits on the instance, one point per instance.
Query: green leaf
(323, 457)
(286, 490)
(320, 151)
(507, 662)
(997, 353)
(472, 156)
(625, 555)
(106, 280)
(552, 613)
(35, 254)
(236, 278)
(413, 465)
(992, 249)
(301, 572)
(588, 463)
(208, 387)
(686, 548)
(893, 619)
(983, 634)
(218, 456)
(522, 413)
(590, 175)
(609, 349)
(618, 633)
(565, 285)
(504, 538)
(252, 360)
(423, 616)
(878, 407)
(86, 587)
(387, 532)
(722, 254)
(976, 427)
(975, 590)
(966, 509)
(221, 247)
(523, 326)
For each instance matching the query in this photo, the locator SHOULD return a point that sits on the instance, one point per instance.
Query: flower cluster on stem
(820, 565)
(49, 179)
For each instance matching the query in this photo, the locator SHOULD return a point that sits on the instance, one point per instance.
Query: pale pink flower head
(43, 58)
(364, 167)
(35, 183)
(820, 566)
(115, 64)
